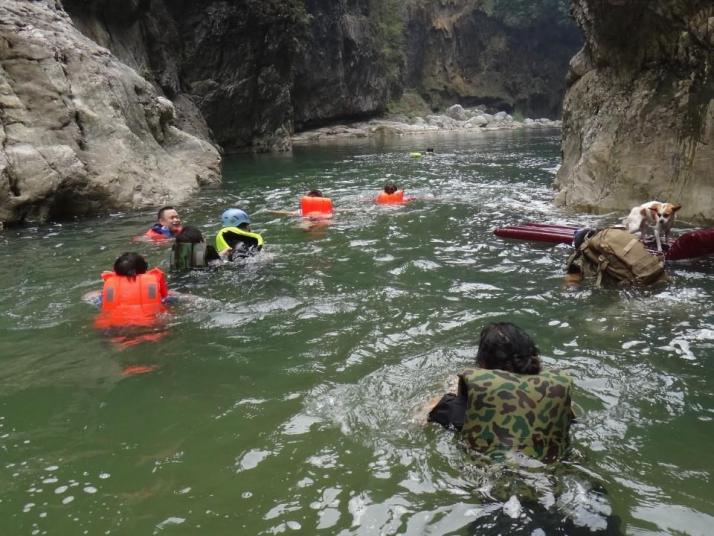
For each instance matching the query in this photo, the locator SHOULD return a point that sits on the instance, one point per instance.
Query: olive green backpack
(619, 256)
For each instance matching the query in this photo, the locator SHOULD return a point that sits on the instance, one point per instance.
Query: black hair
(190, 235)
(507, 347)
(314, 193)
(162, 210)
(390, 188)
(130, 265)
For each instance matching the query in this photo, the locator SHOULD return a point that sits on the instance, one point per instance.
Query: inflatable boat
(688, 245)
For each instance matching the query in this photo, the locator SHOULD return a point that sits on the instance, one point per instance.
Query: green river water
(284, 396)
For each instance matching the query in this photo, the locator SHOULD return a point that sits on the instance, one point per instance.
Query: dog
(655, 216)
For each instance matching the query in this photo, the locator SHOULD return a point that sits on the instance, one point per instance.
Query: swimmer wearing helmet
(235, 239)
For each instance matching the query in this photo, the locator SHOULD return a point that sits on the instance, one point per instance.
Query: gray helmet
(234, 217)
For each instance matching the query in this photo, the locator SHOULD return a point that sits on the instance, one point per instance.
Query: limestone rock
(476, 122)
(456, 112)
(81, 132)
(638, 121)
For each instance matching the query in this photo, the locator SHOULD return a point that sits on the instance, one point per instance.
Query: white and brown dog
(655, 216)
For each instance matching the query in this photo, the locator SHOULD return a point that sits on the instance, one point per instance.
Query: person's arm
(450, 410)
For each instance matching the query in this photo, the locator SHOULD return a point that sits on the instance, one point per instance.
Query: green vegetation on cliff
(388, 23)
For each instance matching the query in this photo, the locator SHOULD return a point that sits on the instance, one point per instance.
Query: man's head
(390, 188)
(235, 217)
(169, 218)
(130, 265)
(314, 193)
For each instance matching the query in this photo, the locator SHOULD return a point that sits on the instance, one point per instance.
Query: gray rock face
(638, 120)
(256, 70)
(456, 112)
(506, 55)
(80, 131)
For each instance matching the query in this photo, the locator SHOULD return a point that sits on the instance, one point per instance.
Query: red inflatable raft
(687, 246)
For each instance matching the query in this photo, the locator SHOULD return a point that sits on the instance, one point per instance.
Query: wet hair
(130, 265)
(390, 188)
(505, 346)
(190, 235)
(162, 210)
(314, 193)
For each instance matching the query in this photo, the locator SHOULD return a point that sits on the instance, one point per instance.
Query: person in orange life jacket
(131, 290)
(392, 195)
(313, 205)
(168, 225)
(235, 239)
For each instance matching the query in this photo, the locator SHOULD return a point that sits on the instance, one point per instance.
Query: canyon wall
(79, 130)
(638, 121)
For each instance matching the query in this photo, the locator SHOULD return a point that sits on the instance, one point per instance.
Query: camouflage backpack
(617, 256)
(530, 413)
(185, 256)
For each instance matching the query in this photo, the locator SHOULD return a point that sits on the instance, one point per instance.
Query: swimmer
(167, 226)
(499, 405)
(235, 240)
(313, 205)
(392, 195)
(190, 251)
(130, 286)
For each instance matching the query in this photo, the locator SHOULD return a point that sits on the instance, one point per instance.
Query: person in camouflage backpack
(613, 257)
(509, 402)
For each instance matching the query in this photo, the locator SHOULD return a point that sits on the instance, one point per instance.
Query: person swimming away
(190, 251)
(236, 240)
(508, 402)
(313, 205)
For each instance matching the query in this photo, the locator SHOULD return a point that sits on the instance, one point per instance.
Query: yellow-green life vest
(529, 413)
(222, 245)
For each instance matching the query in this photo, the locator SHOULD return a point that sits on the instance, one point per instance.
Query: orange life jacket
(391, 199)
(315, 206)
(132, 301)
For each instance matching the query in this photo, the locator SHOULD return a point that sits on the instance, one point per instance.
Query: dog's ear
(655, 209)
(675, 208)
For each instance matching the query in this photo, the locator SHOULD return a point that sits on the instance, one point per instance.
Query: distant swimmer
(235, 240)
(190, 251)
(392, 195)
(313, 205)
(167, 226)
(132, 295)
(418, 154)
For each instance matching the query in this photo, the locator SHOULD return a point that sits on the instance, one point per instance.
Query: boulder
(81, 132)
(456, 112)
(476, 122)
(442, 121)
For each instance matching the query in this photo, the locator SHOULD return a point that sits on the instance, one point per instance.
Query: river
(282, 398)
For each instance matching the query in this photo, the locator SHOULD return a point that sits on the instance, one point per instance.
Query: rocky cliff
(79, 130)
(638, 120)
(257, 70)
(507, 54)
(254, 69)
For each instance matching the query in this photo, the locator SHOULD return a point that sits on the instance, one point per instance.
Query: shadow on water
(283, 397)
